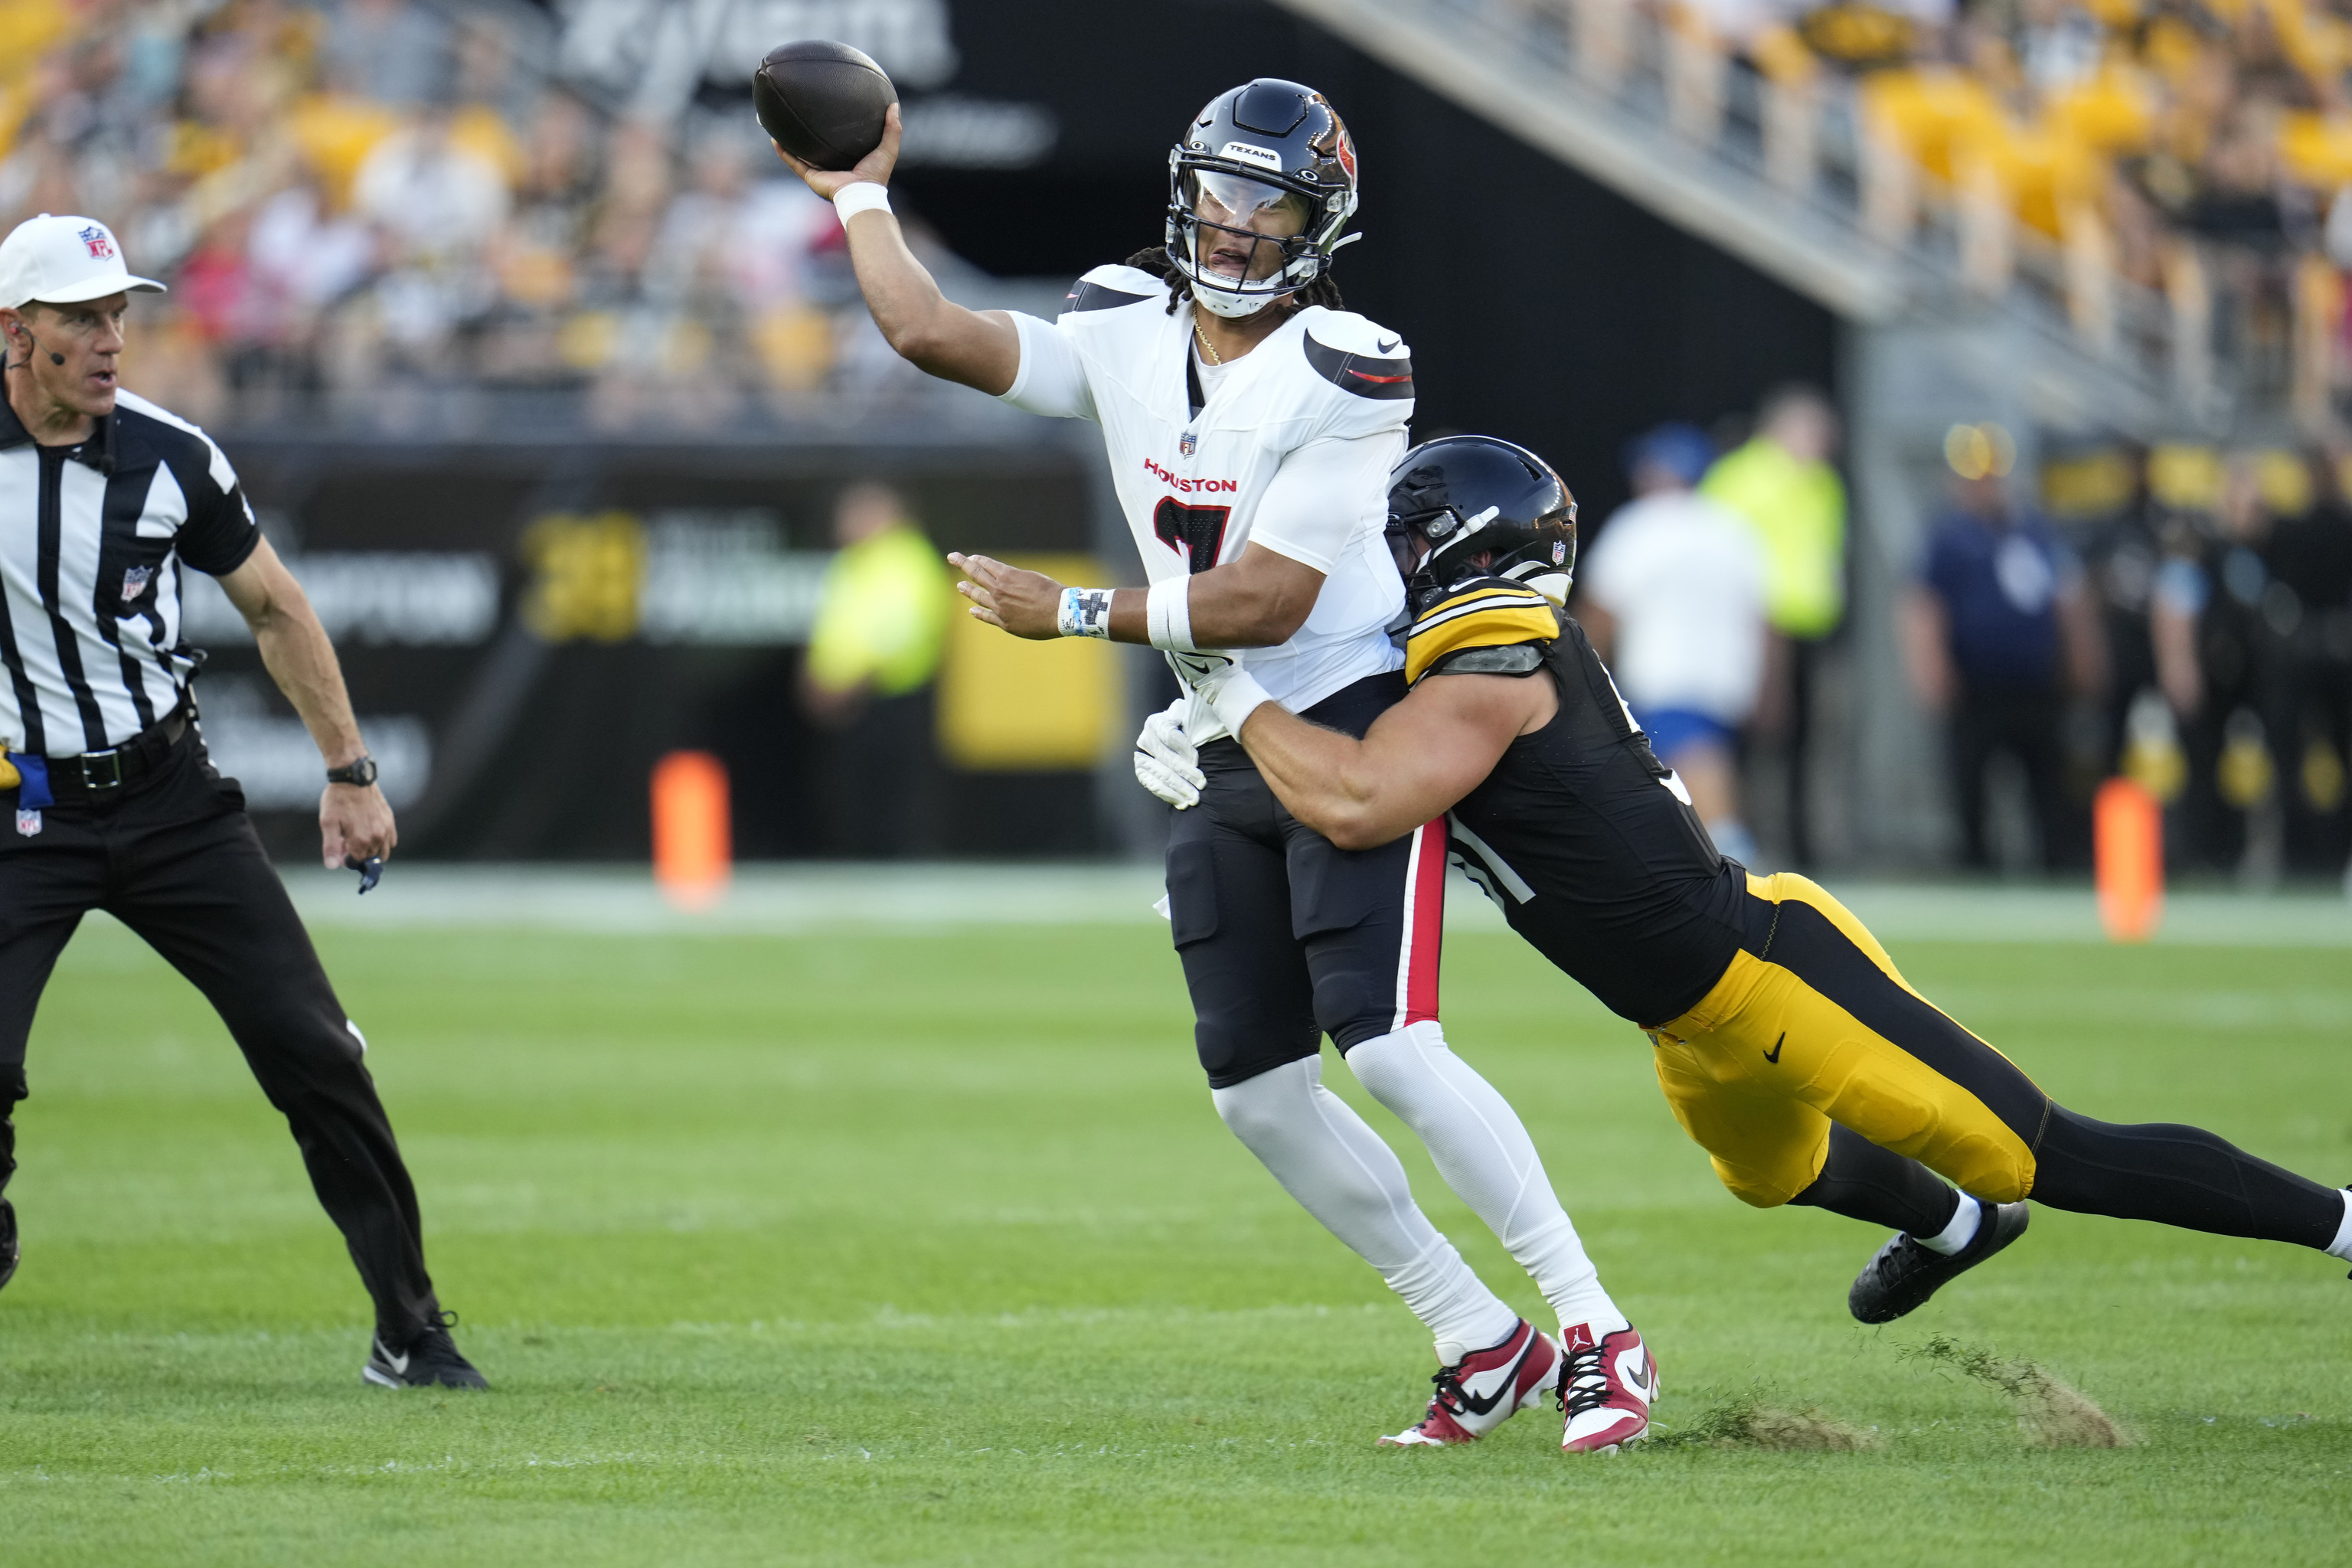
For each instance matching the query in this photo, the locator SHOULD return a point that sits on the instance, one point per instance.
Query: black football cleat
(8, 1249)
(1902, 1275)
(428, 1361)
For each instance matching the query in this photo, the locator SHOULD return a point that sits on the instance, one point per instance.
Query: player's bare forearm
(977, 348)
(1420, 758)
(1259, 600)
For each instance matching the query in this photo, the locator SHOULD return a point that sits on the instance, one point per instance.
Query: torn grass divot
(1750, 1420)
(2054, 1412)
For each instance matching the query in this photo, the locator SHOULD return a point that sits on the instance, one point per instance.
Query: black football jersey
(1586, 841)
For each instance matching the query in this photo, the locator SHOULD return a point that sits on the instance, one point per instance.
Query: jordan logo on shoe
(1773, 1056)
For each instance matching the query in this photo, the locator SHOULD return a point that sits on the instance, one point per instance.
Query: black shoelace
(1448, 1381)
(1584, 1382)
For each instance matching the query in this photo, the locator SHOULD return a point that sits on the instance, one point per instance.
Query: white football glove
(1166, 762)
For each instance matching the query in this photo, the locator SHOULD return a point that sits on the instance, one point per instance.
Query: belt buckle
(92, 781)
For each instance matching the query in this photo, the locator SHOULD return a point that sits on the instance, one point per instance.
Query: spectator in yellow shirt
(1782, 484)
(880, 629)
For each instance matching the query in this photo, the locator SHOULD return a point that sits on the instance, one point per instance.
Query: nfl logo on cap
(61, 260)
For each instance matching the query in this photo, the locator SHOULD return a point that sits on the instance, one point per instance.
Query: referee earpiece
(55, 357)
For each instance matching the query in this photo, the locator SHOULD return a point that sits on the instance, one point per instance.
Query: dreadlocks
(1321, 291)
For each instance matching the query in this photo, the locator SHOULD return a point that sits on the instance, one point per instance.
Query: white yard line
(787, 899)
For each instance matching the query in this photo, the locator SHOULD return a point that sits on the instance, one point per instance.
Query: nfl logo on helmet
(102, 244)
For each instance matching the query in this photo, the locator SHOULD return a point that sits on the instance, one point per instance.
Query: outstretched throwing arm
(930, 330)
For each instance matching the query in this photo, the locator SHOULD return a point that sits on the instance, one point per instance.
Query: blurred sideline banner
(1008, 704)
(526, 628)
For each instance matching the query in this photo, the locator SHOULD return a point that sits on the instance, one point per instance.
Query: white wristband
(860, 196)
(1237, 699)
(1084, 612)
(1168, 614)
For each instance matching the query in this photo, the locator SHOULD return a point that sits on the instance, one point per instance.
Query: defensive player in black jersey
(1787, 1043)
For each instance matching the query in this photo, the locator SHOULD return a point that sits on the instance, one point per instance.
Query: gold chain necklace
(1206, 346)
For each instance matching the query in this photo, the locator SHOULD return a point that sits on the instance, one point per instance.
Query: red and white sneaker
(1605, 1390)
(1485, 1389)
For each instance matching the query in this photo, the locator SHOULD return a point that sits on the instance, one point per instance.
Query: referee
(104, 497)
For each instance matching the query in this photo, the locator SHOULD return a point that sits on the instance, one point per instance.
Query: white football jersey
(1288, 447)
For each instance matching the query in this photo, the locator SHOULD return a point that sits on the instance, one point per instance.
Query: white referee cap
(64, 260)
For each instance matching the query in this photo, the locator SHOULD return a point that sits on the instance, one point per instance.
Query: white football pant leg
(1327, 1158)
(1482, 1151)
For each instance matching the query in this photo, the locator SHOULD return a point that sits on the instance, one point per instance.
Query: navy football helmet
(1264, 167)
(1472, 506)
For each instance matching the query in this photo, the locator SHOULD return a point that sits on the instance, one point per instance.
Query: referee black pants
(173, 856)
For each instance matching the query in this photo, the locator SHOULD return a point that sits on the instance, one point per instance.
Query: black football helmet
(1472, 506)
(1271, 147)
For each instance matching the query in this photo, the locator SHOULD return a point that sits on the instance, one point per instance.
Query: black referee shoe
(429, 1360)
(1902, 1274)
(9, 1251)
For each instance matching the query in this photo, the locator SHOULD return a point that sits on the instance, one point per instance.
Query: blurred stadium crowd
(384, 197)
(2195, 148)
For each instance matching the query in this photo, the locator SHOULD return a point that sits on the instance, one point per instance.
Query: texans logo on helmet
(1347, 154)
(101, 248)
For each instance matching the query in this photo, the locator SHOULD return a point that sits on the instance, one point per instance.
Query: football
(822, 101)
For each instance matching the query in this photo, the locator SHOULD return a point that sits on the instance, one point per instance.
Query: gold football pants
(1812, 1024)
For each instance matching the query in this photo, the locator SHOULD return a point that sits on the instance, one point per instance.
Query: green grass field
(895, 1248)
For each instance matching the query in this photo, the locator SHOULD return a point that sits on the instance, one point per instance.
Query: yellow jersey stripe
(1507, 622)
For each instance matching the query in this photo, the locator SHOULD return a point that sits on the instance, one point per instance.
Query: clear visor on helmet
(1241, 224)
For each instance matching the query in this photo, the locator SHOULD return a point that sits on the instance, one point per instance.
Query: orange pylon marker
(2128, 829)
(693, 844)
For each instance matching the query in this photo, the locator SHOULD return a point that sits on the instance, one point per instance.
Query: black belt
(94, 775)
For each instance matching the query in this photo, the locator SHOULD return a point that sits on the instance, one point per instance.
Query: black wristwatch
(360, 773)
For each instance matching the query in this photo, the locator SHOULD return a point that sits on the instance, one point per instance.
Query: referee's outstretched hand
(354, 822)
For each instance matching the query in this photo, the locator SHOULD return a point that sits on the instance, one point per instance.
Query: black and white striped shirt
(93, 538)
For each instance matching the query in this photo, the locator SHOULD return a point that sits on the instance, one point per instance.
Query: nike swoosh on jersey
(1389, 345)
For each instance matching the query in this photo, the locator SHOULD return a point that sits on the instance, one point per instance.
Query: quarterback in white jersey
(1288, 448)
(1252, 424)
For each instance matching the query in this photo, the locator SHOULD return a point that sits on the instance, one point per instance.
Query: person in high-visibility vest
(880, 630)
(1782, 483)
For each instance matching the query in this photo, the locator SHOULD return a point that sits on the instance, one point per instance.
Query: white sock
(2342, 1245)
(1960, 1232)
(1327, 1158)
(1484, 1152)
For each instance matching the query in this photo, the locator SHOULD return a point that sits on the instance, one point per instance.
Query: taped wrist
(1237, 699)
(1084, 612)
(1168, 614)
(860, 196)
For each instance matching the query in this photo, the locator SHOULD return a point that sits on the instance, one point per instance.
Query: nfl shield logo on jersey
(101, 246)
(1188, 443)
(28, 822)
(134, 582)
